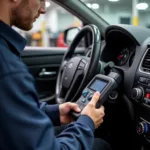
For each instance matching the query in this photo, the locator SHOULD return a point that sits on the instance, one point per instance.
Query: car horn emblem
(70, 65)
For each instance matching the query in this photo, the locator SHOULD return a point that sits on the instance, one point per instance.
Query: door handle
(45, 73)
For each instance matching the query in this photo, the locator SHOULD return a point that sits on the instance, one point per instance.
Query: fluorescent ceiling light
(95, 6)
(89, 5)
(142, 6)
(113, 0)
(48, 4)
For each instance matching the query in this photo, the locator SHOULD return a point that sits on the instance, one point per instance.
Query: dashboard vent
(146, 62)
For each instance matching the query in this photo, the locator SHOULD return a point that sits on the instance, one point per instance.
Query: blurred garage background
(48, 29)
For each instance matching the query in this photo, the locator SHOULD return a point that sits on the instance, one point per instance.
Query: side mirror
(70, 34)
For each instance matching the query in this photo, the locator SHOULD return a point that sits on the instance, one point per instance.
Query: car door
(46, 47)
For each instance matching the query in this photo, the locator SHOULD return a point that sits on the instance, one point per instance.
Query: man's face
(26, 12)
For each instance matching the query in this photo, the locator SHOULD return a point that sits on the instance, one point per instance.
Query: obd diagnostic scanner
(104, 84)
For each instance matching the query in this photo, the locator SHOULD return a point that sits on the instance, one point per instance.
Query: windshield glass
(135, 12)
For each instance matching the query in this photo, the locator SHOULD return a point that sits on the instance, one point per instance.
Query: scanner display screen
(98, 85)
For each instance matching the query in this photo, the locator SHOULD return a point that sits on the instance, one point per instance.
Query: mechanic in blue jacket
(25, 124)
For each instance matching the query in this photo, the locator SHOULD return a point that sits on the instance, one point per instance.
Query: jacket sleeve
(50, 110)
(25, 126)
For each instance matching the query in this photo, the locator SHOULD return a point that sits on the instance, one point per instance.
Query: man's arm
(24, 126)
(50, 110)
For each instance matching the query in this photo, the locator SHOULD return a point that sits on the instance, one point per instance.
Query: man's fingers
(100, 122)
(74, 107)
(95, 98)
(102, 110)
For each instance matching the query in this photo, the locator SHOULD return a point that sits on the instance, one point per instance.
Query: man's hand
(64, 109)
(95, 114)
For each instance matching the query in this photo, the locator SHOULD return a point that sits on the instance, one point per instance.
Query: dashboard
(119, 48)
(128, 47)
(121, 56)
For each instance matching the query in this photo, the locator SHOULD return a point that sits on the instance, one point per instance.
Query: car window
(48, 30)
(134, 12)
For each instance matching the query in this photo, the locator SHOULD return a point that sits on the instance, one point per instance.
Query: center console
(141, 96)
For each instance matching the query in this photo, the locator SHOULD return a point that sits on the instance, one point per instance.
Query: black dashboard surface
(128, 47)
(122, 42)
(125, 46)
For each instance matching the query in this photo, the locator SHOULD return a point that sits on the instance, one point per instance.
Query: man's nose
(42, 9)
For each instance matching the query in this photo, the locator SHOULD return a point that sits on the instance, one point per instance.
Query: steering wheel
(76, 71)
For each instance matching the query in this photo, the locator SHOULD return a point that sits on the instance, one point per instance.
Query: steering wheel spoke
(75, 84)
(63, 65)
(82, 64)
(61, 95)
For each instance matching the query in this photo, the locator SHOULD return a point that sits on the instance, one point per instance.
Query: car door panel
(44, 65)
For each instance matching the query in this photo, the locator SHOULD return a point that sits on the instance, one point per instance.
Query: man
(24, 123)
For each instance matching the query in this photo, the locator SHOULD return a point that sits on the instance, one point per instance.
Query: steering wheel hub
(70, 71)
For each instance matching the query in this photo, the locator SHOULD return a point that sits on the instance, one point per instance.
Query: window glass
(134, 12)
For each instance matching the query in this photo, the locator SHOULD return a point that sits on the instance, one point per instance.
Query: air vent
(146, 62)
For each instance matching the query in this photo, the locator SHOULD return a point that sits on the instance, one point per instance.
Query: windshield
(134, 12)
